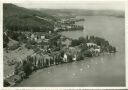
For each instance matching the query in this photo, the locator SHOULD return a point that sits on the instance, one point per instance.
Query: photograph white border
(59, 88)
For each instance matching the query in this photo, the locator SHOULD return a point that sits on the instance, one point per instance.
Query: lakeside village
(51, 48)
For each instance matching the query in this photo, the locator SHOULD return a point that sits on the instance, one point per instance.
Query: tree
(75, 42)
(5, 41)
(27, 68)
(82, 40)
(6, 83)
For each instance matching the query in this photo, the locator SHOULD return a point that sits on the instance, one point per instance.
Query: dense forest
(21, 19)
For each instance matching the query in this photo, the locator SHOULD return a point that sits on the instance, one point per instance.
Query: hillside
(84, 12)
(19, 18)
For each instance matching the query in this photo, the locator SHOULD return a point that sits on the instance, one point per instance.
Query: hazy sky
(117, 5)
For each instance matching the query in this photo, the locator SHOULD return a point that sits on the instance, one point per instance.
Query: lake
(107, 70)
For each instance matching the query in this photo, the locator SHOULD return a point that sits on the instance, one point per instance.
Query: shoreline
(74, 49)
(86, 58)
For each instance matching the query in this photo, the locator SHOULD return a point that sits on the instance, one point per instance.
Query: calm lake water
(107, 70)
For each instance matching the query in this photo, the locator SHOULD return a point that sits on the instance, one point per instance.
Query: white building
(42, 37)
(91, 44)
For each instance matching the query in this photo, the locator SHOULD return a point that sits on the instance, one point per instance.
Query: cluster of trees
(54, 43)
(27, 23)
(18, 36)
(20, 19)
(104, 44)
(15, 36)
(23, 69)
(5, 40)
(80, 40)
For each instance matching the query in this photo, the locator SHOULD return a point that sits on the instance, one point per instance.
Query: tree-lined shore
(57, 50)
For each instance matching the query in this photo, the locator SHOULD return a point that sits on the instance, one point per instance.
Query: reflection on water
(107, 70)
